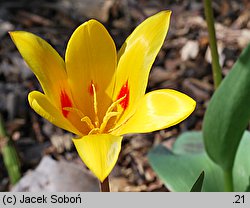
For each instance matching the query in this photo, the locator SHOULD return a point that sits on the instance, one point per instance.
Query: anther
(107, 117)
(109, 114)
(87, 120)
(114, 104)
(94, 131)
(119, 126)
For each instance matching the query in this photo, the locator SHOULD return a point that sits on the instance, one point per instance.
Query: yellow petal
(99, 152)
(136, 58)
(157, 110)
(44, 61)
(40, 103)
(91, 59)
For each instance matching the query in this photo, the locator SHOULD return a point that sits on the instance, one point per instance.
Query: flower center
(95, 126)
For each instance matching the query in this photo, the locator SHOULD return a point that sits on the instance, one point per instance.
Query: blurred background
(48, 160)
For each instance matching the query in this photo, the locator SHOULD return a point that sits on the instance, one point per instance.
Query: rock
(220, 47)
(244, 39)
(5, 26)
(57, 176)
(97, 9)
(190, 50)
(61, 142)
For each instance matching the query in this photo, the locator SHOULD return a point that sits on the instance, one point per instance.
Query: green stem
(10, 156)
(3, 132)
(228, 181)
(217, 77)
(104, 186)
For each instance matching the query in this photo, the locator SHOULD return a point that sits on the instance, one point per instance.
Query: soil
(182, 64)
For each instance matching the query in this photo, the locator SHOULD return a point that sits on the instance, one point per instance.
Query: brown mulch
(182, 64)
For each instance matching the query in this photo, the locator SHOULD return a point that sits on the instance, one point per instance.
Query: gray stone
(57, 176)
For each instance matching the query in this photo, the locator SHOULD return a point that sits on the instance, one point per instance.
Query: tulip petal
(91, 59)
(41, 104)
(99, 152)
(44, 61)
(157, 110)
(136, 58)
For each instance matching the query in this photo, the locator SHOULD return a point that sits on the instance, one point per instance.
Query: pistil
(95, 127)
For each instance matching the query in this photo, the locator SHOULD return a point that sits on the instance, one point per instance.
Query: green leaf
(197, 187)
(228, 113)
(11, 162)
(189, 143)
(241, 170)
(10, 156)
(179, 168)
(248, 187)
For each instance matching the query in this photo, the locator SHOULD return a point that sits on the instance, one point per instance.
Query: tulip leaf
(179, 168)
(189, 143)
(248, 187)
(241, 169)
(228, 113)
(197, 187)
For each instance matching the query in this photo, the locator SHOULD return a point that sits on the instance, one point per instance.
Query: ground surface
(182, 64)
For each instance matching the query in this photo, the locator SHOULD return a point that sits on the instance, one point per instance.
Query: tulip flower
(99, 94)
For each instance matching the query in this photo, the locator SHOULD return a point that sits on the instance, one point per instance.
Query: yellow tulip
(99, 95)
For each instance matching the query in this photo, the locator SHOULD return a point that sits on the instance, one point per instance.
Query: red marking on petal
(91, 89)
(124, 92)
(65, 102)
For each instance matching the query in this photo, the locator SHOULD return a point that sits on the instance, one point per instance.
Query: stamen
(94, 126)
(107, 117)
(109, 114)
(95, 105)
(94, 131)
(117, 127)
(87, 120)
(120, 125)
(114, 104)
